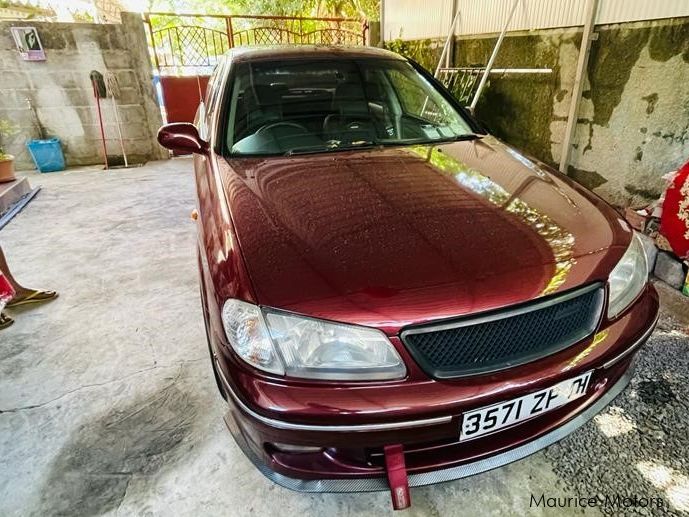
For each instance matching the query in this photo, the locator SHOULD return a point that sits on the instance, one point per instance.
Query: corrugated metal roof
(416, 19)
(617, 11)
(487, 16)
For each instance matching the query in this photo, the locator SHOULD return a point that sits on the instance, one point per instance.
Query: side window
(413, 99)
(411, 95)
(209, 86)
(212, 93)
(210, 102)
(426, 104)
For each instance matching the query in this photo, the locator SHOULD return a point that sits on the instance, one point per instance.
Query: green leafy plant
(425, 52)
(369, 9)
(7, 128)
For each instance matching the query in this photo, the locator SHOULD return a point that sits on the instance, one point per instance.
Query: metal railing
(192, 43)
(463, 81)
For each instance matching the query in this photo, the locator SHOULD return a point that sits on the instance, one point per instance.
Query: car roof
(276, 52)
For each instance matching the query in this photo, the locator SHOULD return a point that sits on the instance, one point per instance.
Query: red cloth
(6, 290)
(674, 223)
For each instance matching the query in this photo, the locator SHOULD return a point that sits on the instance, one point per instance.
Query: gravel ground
(639, 446)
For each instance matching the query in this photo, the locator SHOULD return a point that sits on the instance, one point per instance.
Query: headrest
(349, 99)
(266, 95)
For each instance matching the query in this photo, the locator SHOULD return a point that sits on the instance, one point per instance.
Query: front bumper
(377, 484)
(348, 455)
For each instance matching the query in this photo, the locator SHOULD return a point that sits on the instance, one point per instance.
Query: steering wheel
(273, 125)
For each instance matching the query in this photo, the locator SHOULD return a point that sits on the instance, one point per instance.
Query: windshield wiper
(457, 138)
(331, 147)
(430, 141)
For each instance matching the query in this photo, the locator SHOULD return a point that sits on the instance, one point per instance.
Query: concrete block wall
(61, 92)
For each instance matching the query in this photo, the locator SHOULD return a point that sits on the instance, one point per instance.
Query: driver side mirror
(182, 137)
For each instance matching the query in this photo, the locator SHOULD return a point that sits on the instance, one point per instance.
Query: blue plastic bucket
(47, 154)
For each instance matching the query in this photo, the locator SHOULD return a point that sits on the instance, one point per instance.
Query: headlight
(628, 278)
(247, 333)
(296, 346)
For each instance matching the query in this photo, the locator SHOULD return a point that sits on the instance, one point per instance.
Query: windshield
(291, 107)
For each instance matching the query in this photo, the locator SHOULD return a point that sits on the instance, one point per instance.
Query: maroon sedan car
(392, 296)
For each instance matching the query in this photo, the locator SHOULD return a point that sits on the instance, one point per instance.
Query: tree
(368, 9)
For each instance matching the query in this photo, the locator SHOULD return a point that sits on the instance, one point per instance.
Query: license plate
(492, 418)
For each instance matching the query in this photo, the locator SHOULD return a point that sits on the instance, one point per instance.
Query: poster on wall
(28, 43)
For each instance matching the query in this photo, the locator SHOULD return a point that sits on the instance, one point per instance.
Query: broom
(113, 90)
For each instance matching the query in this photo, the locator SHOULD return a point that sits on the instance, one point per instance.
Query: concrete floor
(107, 402)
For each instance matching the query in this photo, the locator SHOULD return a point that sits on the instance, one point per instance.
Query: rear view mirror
(182, 137)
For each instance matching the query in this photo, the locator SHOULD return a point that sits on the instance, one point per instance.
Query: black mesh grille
(505, 338)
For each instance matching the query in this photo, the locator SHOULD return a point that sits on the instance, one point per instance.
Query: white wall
(420, 19)
(416, 19)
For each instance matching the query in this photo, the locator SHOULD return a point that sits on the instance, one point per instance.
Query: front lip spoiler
(378, 484)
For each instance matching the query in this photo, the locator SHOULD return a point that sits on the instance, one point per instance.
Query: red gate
(186, 47)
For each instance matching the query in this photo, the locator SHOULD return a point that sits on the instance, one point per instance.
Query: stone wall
(633, 121)
(60, 90)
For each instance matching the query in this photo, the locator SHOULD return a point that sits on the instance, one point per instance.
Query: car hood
(390, 237)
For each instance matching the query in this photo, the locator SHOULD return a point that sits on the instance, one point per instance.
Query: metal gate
(187, 46)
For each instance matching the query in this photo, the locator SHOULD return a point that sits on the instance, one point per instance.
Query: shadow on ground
(94, 468)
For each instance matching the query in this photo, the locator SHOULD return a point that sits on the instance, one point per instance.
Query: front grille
(505, 338)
